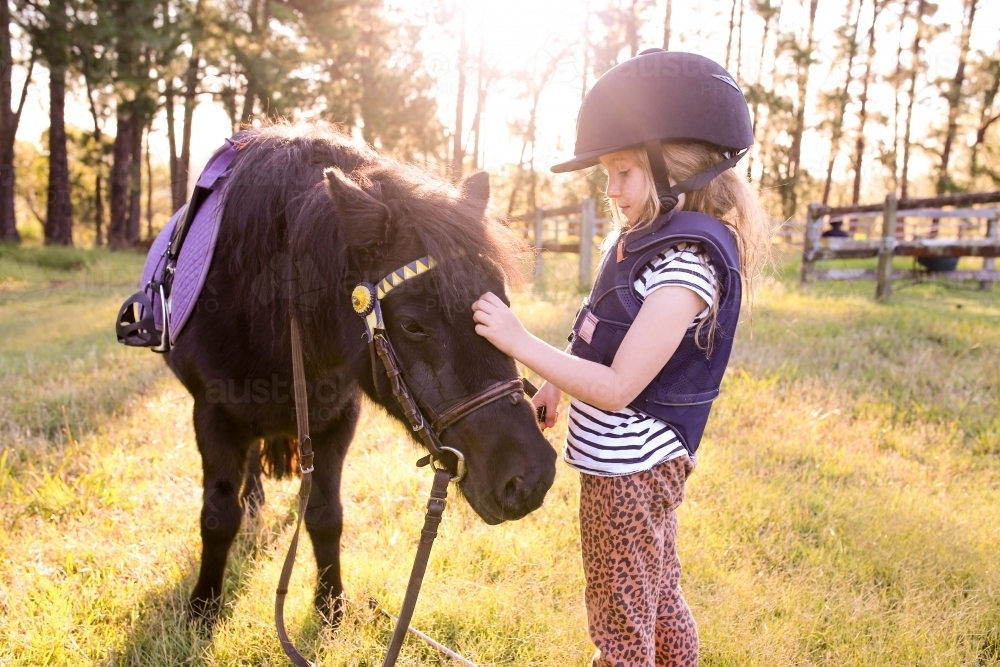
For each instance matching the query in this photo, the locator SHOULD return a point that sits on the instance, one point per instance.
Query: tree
(757, 93)
(47, 26)
(9, 121)
(458, 150)
(99, 108)
(859, 144)
(191, 26)
(139, 35)
(924, 10)
(59, 210)
(666, 26)
(534, 83)
(802, 55)
(953, 94)
(840, 99)
(986, 78)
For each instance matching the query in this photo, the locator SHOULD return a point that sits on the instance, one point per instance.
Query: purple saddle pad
(195, 257)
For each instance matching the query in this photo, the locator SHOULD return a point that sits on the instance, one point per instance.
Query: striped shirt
(601, 442)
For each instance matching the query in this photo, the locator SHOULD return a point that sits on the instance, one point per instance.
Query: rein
(365, 300)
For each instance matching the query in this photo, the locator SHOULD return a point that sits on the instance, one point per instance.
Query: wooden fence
(574, 228)
(911, 228)
(561, 230)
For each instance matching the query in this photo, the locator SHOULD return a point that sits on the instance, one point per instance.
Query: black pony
(309, 214)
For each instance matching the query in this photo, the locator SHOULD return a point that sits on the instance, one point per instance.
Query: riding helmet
(668, 96)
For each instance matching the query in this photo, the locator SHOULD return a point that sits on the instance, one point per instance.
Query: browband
(366, 297)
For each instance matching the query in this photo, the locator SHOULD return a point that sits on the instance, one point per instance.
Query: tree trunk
(9, 120)
(944, 182)
(168, 105)
(480, 107)
(149, 191)
(135, 181)
(859, 144)
(190, 94)
(59, 209)
(897, 80)
(98, 210)
(666, 27)
(120, 168)
(587, 49)
(458, 153)
(631, 31)
(739, 43)
(790, 187)
(919, 21)
(99, 143)
(844, 97)
(767, 13)
(732, 28)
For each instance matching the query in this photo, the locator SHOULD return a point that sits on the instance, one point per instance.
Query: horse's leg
(223, 444)
(324, 515)
(252, 496)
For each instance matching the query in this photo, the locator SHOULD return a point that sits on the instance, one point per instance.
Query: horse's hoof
(252, 500)
(204, 612)
(331, 609)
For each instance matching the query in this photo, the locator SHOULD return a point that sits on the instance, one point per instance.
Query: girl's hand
(548, 397)
(498, 324)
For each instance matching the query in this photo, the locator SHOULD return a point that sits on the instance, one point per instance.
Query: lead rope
(435, 508)
(306, 467)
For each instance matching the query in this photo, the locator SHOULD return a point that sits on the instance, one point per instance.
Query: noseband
(366, 300)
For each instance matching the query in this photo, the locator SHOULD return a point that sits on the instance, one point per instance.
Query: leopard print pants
(628, 526)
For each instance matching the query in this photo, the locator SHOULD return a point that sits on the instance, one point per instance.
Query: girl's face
(626, 183)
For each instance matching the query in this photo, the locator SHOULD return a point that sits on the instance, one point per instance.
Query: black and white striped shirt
(626, 441)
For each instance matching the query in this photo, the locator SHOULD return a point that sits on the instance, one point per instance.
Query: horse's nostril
(514, 492)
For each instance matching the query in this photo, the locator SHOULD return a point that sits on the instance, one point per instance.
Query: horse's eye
(412, 328)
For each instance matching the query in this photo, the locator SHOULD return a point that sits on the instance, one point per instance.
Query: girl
(651, 343)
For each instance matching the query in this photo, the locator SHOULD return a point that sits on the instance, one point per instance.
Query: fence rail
(909, 228)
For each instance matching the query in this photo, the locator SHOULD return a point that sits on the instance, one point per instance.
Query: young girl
(651, 343)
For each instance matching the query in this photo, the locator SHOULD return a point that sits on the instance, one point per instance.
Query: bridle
(366, 301)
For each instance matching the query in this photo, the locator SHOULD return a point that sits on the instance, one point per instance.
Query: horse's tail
(279, 457)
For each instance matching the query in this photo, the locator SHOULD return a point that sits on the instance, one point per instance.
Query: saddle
(178, 261)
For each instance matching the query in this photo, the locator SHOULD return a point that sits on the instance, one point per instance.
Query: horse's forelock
(474, 247)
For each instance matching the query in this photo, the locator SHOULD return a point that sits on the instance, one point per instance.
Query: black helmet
(663, 96)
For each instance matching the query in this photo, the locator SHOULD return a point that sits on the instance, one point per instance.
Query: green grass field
(845, 509)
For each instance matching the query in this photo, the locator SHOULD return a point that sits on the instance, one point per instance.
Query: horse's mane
(280, 223)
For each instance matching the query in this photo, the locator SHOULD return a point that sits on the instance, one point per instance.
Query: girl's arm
(650, 342)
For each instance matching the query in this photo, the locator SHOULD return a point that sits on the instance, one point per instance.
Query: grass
(845, 509)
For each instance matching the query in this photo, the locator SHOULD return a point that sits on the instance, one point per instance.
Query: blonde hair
(728, 197)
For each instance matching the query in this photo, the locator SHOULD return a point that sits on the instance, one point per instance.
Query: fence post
(588, 216)
(539, 240)
(810, 239)
(989, 263)
(883, 287)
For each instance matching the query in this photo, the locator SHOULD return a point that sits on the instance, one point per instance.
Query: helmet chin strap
(661, 177)
(668, 194)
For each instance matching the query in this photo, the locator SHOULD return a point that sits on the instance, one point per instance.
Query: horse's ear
(363, 217)
(476, 189)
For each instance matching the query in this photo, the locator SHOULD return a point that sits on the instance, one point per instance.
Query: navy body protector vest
(681, 394)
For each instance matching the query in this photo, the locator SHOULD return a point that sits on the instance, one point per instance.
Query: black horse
(309, 214)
